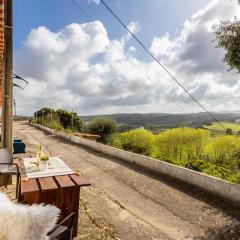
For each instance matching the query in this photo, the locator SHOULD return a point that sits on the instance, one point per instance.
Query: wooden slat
(22, 169)
(29, 192)
(64, 181)
(29, 186)
(47, 184)
(80, 181)
(28, 155)
(49, 190)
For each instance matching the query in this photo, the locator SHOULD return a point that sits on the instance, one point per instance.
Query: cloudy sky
(95, 67)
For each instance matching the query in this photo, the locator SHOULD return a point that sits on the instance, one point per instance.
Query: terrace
(131, 196)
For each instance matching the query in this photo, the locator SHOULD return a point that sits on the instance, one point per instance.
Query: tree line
(62, 119)
(186, 147)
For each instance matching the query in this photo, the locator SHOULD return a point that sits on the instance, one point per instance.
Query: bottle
(39, 154)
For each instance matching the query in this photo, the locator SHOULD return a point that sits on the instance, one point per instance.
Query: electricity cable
(146, 76)
(160, 64)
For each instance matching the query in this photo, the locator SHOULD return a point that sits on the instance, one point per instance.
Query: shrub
(213, 170)
(68, 119)
(42, 113)
(102, 126)
(180, 144)
(196, 165)
(54, 125)
(222, 149)
(59, 119)
(138, 141)
(115, 140)
(229, 131)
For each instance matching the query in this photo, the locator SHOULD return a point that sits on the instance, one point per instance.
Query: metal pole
(51, 116)
(72, 119)
(15, 107)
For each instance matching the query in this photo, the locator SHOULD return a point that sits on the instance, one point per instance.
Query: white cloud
(80, 67)
(132, 49)
(193, 58)
(163, 46)
(96, 1)
(134, 28)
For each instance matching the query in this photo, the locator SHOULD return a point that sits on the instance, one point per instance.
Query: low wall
(228, 191)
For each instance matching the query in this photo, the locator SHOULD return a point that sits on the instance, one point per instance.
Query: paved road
(135, 204)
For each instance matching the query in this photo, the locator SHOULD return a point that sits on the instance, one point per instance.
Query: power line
(160, 64)
(82, 10)
(133, 35)
(146, 76)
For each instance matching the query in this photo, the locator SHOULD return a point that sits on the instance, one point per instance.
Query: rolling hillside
(157, 121)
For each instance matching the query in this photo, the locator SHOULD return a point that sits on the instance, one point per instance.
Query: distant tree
(228, 37)
(229, 131)
(43, 111)
(185, 124)
(102, 126)
(236, 160)
(222, 149)
(139, 141)
(180, 144)
(207, 123)
(69, 119)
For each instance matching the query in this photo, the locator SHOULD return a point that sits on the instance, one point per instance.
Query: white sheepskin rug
(24, 222)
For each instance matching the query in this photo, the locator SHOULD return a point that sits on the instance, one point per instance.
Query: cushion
(5, 168)
(4, 199)
(18, 221)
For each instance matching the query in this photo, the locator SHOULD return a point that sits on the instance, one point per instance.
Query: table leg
(68, 202)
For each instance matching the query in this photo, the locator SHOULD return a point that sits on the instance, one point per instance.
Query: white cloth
(56, 167)
(18, 221)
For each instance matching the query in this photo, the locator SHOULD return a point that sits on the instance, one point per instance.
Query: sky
(93, 66)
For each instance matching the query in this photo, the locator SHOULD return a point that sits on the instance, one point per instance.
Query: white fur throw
(24, 222)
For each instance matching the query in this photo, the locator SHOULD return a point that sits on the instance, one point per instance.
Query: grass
(216, 128)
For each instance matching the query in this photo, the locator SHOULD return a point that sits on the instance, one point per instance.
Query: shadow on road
(228, 232)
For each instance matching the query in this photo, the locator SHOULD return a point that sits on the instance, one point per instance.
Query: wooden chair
(8, 168)
(61, 232)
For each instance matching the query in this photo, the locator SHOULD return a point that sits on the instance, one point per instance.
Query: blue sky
(95, 68)
(155, 16)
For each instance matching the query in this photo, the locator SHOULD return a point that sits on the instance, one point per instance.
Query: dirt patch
(91, 227)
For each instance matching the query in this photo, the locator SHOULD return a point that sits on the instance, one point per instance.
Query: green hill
(217, 128)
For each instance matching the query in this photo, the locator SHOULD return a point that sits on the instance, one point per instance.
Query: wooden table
(61, 191)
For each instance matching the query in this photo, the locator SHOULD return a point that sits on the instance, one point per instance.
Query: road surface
(127, 203)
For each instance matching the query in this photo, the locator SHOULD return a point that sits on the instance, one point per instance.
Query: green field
(217, 129)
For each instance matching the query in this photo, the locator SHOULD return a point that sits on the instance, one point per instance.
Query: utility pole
(7, 107)
(72, 119)
(15, 107)
(42, 116)
(51, 116)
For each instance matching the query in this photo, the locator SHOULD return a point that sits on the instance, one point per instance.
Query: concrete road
(135, 204)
